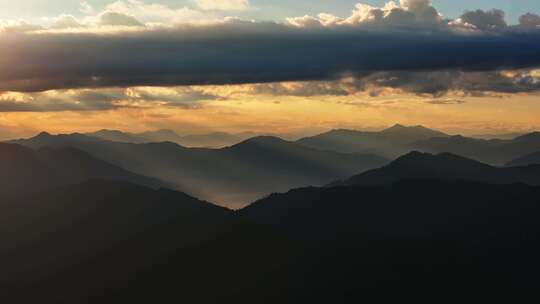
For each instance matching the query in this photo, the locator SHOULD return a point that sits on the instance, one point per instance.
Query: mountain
(445, 166)
(105, 242)
(497, 152)
(213, 140)
(28, 170)
(529, 159)
(137, 138)
(114, 242)
(421, 237)
(209, 140)
(391, 142)
(504, 136)
(232, 176)
(161, 136)
(118, 136)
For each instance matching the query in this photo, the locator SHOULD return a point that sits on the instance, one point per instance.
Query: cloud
(110, 18)
(66, 22)
(52, 102)
(224, 5)
(103, 100)
(429, 84)
(158, 13)
(129, 13)
(485, 20)
(408, 46)
(312, 88)
(407, 13)
(529, 20)
(17, 27)
(446, 101)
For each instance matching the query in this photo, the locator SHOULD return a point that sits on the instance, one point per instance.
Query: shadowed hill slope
(529, 159)
(108, 242)
(27, 170)
(416, 238)
(445, 166)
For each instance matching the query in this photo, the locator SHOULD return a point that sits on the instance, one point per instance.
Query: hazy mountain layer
(497, 152)
(209, 140)
(27, 170)
(231, 176)
(391, 142)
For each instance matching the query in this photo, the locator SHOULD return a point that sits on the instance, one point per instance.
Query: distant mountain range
(497, 152)
(390, 143)
(445, 166)
(233, 176)
(209, 140)
(27, 170)
(399, 140)
(241, 173)
(504, 136)
(529, 159)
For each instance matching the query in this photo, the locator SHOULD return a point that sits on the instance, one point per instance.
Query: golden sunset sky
(238, 66)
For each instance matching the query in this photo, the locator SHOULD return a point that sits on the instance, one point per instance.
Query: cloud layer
(406, 45)
(104, 99)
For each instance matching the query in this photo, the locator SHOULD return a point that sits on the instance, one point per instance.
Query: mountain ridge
(237, 175)
(29, 170)
(391, 142)
(444, 166)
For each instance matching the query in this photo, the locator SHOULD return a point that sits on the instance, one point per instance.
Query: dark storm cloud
(408, 46)
(424, 83)
(438, 83)
(485, 20)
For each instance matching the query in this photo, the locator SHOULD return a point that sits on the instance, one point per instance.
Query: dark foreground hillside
(104, 242)
(425, 238)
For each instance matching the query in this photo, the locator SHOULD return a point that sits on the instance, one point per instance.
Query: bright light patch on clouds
(224, 5)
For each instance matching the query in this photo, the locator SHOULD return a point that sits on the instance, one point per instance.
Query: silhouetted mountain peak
(396, 127)
(342, 132)
(534, 136)
(417, 158)
(264, 140)
(107, 131)
(412, 157)
(44, 135)
(444, 166)
(401, 129)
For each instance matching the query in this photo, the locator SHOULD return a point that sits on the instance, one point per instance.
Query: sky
(291, 67)
(264, 9)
